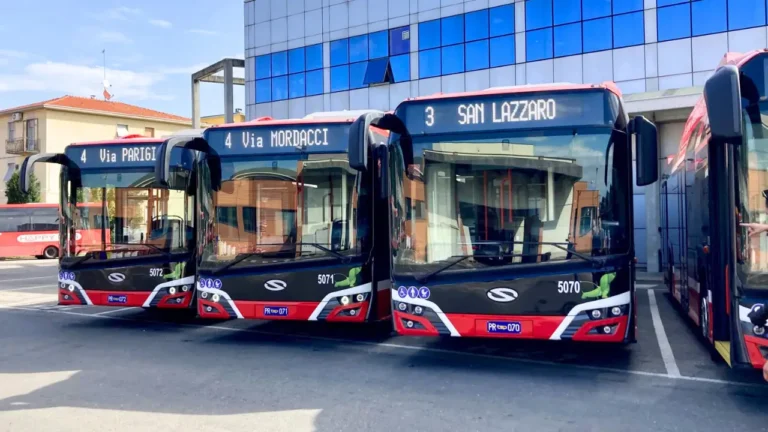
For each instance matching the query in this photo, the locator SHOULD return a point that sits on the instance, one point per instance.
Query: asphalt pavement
(126, 369)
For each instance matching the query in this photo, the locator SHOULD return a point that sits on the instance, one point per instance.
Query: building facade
(321, 55)
(49, 126)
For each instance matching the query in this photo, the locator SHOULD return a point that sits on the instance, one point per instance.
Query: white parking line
(646, 286)
(51, 285)
(111, 311)
(666, 350)
(52, 278)
(421, 348)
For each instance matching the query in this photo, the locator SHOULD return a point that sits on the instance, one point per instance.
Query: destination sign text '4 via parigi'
(258, 140)
(498, 112)
(121, 155)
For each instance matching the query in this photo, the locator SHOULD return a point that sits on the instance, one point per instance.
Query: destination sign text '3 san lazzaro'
(503, 112)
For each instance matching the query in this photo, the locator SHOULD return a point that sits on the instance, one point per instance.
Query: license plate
(505, 327)
(121, 299)
(275, 311)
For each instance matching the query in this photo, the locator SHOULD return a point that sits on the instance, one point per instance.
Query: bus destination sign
(266, 140)
(505, 111)
(134, 155)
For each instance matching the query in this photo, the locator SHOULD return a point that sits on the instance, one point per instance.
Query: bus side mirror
(722, 95)
(360, 140)
(646, 151)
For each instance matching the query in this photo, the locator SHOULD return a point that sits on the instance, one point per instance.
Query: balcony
(22, 146)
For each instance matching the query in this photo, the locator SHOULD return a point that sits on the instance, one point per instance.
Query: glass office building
(304, 56)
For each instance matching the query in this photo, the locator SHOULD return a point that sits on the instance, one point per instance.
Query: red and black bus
(511, 213)
(715, 212)
(140, 250)
(290, 222)
(33, 229)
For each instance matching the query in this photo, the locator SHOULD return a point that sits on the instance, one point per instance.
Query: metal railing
(22, 146)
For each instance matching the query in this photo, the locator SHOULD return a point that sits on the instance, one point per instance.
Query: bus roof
(521, 89)
(269, 121)
(131, 140)
(45, 205)
(699, 112)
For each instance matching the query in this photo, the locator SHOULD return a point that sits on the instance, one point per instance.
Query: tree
(14, 194)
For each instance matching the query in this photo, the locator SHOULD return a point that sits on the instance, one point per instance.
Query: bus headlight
(204, 295)
(758, 330)
(402, 307)
(208, 309)
(344, 300)
(352, 312)
(615, 311)
(418, 310)
(185, 288)
(172, 290)
(216, 298)
(607, 329)
(596, 314)
(360, 297)
(71, 288)
(63, 285)
(409, 324)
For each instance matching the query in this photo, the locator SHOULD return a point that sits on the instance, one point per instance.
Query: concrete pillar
(229, 90)
(195, 104)
(652, 219)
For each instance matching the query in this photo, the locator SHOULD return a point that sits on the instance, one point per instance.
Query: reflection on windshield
(126, 217)
(517, 198)
(279, 209)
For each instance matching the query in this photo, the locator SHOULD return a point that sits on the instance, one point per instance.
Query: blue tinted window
(674, 22)
(263, 91)
(280, 88)
(708, 16)
(379, 44)
(628, 30)
(503, 51)
(315, 83)
(315, 57)
(596, 8)
(745, 14)
(279, 63)
(477, 54)
(358, 48)
(296, 60)
(624, 6)
(429, 63)
(263, 66)
(375, 72)
(566, 11)
(538, 14)
(401, 67)
(339, 78)
(568, 40)
(538, 44)
(502, 20)
(339, 52)
(356, 74)
(452, 30)
(597, 35)
(660, 3)
(296, 85)
(453, 59)
(400, 40)
(429, 34)
(476, 25)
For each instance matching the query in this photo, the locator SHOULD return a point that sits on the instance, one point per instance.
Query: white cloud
(115, 37)
(6, 53)
(83, 81)
(160, 23)
(121, 13)
(203, 32)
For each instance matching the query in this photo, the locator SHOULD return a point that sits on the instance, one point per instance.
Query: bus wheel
(50, 252)
(703, 315)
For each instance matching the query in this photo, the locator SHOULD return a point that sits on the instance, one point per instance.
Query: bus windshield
(752, 187)
(282, 209)
(133, 217)
(514, 197)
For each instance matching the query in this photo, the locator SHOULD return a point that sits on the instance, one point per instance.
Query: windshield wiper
(238, 259)
(344, 258)
(424, 278)
(151, 246)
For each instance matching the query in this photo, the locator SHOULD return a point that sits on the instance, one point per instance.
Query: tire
(51, 252)
(703, 315)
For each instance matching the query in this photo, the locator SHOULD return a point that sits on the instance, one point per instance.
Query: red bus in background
(33, 229)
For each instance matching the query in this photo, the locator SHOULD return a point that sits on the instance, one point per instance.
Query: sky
(51, 48)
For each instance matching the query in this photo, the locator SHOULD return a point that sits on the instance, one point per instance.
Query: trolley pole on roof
(211, 74)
